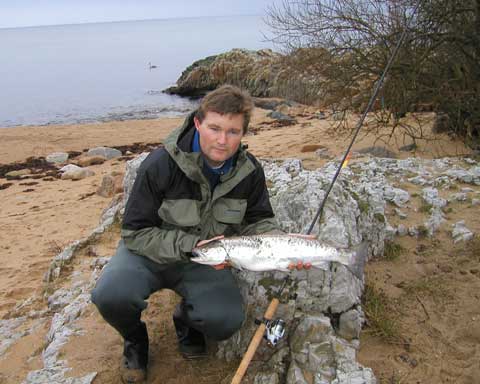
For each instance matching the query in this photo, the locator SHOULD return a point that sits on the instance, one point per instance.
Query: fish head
(210, 254)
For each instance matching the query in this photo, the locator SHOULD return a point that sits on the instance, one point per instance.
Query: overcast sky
(20, 13)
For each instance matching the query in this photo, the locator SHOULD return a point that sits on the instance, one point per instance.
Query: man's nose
(222, 138)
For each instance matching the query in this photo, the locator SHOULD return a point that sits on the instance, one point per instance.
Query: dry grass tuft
(433, 287)
(392, 251)
(473, 248)
(56, 247)
(378, 309)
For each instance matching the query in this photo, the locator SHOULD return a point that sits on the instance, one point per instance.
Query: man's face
(220, 136)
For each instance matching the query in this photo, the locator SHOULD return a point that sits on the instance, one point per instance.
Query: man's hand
(299, 266)
(224, 265)
(203, 242)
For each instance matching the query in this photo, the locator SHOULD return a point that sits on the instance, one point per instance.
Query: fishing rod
(374, 95)
(273, 331)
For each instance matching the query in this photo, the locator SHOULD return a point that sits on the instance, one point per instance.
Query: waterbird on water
(150, 66)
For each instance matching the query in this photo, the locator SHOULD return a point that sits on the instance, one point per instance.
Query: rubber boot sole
(132, 376)
(194, 356)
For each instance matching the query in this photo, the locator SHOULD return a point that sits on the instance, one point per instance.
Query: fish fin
(359, 259)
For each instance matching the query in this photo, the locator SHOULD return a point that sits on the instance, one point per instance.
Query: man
(201, 186)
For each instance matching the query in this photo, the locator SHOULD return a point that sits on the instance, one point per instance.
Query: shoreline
(134, 113)
(21, 142)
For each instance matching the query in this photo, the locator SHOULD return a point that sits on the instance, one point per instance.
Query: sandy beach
(39, 218)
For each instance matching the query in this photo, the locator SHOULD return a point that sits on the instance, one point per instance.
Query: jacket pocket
(229, 211)
(180, 212)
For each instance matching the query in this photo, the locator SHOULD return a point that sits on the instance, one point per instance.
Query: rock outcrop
(322, 308)
(263, 73)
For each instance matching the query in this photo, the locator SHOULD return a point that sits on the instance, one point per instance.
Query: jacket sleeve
(259, 217)
(141, 228)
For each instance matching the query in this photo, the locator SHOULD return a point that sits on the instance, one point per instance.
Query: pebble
(57, 157)
(402, 230)
(445, 268)
(18, 173)
(91, 160)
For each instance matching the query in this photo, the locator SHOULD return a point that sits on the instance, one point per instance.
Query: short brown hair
(227, 99)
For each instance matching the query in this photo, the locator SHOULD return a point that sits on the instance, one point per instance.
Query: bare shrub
(437, 66)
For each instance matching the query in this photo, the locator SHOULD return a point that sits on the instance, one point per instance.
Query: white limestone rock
(106, 152)
(266, 378)
(419, 180)
(396, 195)
(460, 232)
(434, 221)
(402, 230)
(351, 323)
(390, 232)
(460, 196)
(131, 174)
(472, 176)
(74, 172)
(295, 374)
(400, 213)
(431, 196)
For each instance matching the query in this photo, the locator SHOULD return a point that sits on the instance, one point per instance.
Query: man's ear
(196, 122)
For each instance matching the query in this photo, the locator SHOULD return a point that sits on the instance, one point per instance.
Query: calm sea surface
(96, 72)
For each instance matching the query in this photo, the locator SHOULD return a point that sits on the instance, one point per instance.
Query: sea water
(81, 73)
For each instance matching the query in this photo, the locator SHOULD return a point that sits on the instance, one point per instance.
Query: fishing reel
(274, 331)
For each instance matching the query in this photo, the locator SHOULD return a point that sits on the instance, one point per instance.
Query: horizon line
(123, 21)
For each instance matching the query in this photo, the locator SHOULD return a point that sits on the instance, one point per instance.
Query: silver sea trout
(277, 252)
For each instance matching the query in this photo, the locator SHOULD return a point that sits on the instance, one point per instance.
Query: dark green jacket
(172, 206)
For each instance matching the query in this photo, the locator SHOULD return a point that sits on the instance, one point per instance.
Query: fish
(266, 252)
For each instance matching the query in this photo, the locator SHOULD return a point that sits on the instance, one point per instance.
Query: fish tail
(358, 260)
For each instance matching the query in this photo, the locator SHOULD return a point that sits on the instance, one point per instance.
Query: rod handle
(256, 340)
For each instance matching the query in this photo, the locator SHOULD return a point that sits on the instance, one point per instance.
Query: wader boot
(191, 343)
(133, 368)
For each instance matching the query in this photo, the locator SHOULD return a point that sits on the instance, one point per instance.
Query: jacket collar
(179, 146)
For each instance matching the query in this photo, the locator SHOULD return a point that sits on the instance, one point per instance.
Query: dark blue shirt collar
(219, 171)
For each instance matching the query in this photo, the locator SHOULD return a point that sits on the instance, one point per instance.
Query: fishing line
(319, 213)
